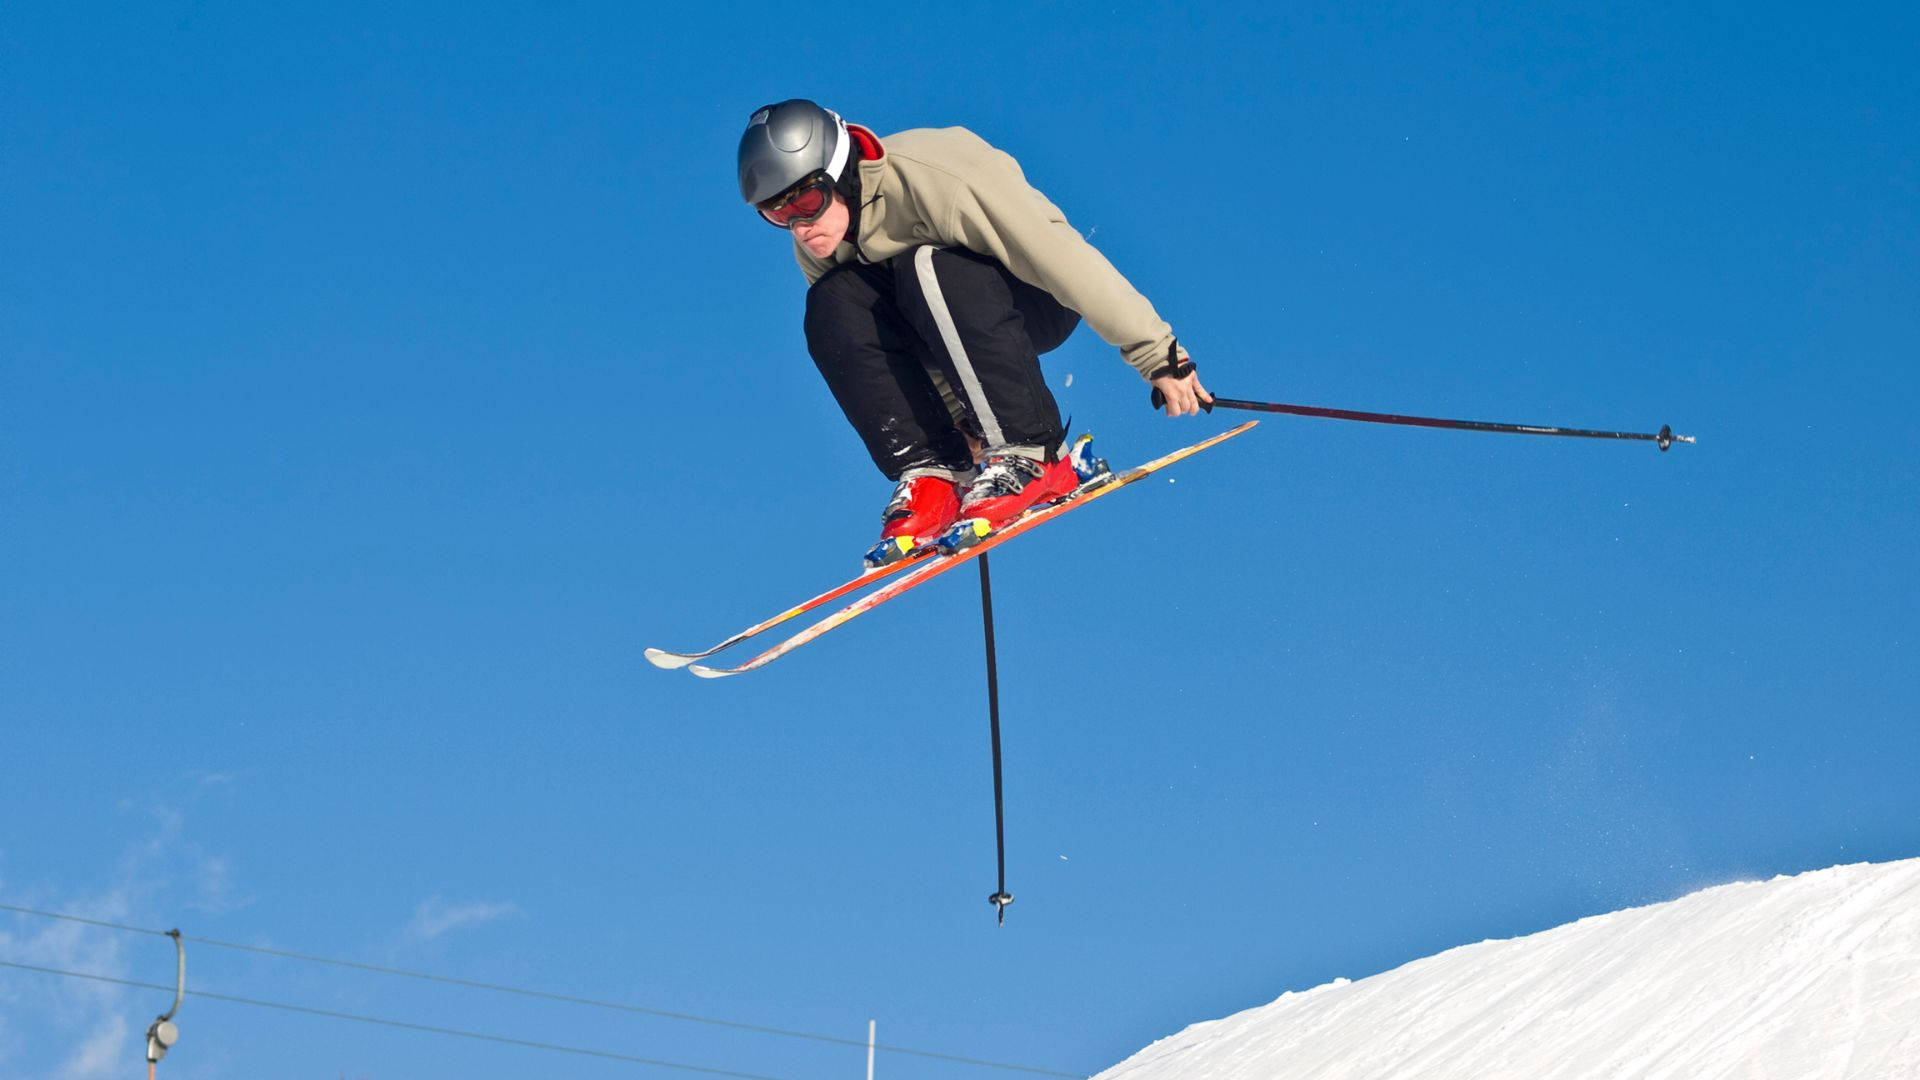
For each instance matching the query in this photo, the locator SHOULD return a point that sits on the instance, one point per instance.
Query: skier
(937, 276)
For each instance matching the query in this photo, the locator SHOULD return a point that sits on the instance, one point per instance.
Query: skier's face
(824, 233)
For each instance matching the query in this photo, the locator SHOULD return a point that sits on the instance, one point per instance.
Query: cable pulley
(163, 1033)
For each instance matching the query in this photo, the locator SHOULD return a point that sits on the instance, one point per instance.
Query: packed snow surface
(1816, 975)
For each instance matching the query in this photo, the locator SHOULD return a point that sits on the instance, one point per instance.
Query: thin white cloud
(90, 1017)
(436, 916)
(105, 1051)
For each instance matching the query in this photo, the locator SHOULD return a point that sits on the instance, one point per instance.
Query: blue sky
(375, 384)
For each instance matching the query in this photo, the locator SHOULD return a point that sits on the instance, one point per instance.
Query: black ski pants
(876, 330)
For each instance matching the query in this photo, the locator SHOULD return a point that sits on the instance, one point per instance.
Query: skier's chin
(820, 246)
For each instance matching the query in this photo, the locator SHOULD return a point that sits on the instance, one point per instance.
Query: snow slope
(1816, 975)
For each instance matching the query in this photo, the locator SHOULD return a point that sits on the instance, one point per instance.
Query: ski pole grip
(1175, 368)
(1160, 402)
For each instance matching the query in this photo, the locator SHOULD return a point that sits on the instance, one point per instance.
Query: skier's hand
(1182, 395)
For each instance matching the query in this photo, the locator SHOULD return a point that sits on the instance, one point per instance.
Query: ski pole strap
(1177, 370)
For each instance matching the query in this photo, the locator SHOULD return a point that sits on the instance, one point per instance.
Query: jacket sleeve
(996, 212)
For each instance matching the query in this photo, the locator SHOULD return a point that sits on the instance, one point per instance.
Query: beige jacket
(948, 187)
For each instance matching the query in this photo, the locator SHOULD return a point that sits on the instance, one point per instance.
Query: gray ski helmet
(787, 142)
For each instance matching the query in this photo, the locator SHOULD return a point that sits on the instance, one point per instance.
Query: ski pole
(1001, 897)
(1663, 438)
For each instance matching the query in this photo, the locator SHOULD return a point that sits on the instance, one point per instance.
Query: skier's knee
(836, 303)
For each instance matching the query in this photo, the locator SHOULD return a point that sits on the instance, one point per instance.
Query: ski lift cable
(567, 999)
(407, 1025)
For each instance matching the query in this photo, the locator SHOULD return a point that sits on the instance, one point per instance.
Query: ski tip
(667, 661)
(706, 672)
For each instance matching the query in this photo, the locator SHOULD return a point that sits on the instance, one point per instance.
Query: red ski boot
(922, 508)
(1010, 484)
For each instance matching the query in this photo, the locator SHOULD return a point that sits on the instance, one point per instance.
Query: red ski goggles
(799, 204)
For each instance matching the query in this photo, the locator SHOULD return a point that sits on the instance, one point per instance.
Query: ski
(1084, 464)
(928, 570)
(661, 658)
